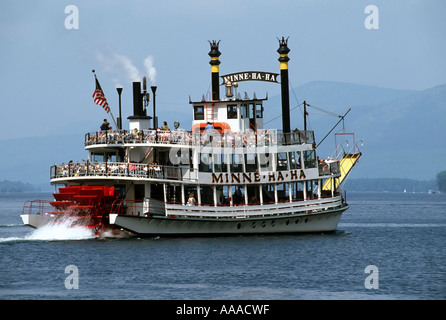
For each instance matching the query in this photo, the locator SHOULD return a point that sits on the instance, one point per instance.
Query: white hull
(36, 221)
(161, 225)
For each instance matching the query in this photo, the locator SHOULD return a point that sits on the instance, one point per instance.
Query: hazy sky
(46, 83)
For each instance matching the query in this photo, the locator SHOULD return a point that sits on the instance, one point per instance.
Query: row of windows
(235, 194)
(247, 110)
(253, 162)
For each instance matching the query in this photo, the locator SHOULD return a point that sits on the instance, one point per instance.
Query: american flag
(99, 97)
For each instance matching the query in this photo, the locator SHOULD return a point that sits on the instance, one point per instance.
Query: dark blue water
(403, 235)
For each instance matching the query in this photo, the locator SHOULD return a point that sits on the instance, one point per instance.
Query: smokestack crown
(214, 53)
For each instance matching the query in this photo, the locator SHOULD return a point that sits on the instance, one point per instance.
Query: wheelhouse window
(309, 159)
(294, 160)
(198, 112)
(251, 111)
(232, 111)
(282, 163)
(259, 111)
(244, 111)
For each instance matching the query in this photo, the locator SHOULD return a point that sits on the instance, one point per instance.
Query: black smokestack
(155, 119)
(283, 51)
(137, 100)
(214, 54)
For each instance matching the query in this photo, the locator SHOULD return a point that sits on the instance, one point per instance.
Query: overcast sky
(46, 83)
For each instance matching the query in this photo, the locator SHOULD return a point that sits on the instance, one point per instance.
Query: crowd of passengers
(111, 168)
(208, 137)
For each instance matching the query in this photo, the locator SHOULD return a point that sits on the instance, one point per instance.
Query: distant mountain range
(16, 186)
(403, 132)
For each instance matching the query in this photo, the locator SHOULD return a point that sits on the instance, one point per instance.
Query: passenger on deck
(209, 129)
(191, 201)
(165, 126)
(105, 125)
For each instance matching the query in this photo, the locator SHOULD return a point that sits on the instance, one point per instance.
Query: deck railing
(329, 167)
(263, 137)
(122, 169)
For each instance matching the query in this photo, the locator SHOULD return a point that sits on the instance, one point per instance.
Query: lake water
(401, 236)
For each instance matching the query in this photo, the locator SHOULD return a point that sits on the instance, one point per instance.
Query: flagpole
(109, 110)
(113, 118)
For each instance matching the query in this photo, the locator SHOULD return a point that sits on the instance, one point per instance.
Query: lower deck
(325, 221)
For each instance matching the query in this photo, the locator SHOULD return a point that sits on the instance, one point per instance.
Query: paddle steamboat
(227, 175)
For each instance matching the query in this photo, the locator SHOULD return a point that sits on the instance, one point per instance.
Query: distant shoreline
(398, 185)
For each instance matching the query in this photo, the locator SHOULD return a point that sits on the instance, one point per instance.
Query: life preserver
(219, 126)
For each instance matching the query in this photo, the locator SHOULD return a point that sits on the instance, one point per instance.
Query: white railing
(263, 137)
(244, 211)
(122, 169)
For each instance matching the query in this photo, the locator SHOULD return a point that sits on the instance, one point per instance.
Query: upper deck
(229, 139)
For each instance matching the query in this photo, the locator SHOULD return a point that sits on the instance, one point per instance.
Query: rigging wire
(281, 114)
(326, 111)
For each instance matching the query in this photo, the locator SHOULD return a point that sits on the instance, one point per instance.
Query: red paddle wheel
(87, 206)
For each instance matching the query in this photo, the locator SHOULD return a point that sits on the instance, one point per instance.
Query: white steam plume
(151, 71)
(132, 72)
(122, 66)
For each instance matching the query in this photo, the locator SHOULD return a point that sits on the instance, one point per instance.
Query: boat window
(268, 193)
(294, 160)
(283, 192)
(157, 192)
(205, 162)
(251, 162)
(309, 159)
(198, 112)
(223, 197)
(120, 189)
(238, 195)
(173, 193)
(190, 189)
(207, 195)
(297, 190)
(259, 111)
(312, 189)
(251, 111)
(243, 111)
(254, 194)
(282, 163)
(232, 111)
(139, 191)
(97, 157)
(265, 160)
(237, 162)
(220, 163)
